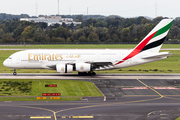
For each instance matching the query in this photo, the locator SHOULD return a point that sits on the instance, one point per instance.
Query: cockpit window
(10, 58)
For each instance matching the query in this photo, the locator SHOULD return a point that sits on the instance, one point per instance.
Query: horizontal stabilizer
(159, 55)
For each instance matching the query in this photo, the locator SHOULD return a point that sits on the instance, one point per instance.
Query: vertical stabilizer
(153, 41)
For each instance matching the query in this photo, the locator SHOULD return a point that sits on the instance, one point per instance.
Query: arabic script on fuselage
(73, 56)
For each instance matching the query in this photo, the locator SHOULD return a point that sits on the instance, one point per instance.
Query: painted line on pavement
(135, 88)
(150, 87)
(39, 117)
(82, 117)
(166, 88)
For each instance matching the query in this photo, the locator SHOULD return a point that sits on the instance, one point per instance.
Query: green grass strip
(177, 118)
(27, 89)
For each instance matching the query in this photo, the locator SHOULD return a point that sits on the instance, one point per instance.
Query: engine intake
(83, 67)
(63, 68)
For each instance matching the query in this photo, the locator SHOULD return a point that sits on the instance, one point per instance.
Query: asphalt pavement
(124, 99)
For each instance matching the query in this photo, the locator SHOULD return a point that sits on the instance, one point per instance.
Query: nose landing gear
(14, 73)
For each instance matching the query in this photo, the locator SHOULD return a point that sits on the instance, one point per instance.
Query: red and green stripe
(143, 45)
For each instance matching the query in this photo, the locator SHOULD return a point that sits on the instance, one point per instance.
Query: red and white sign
(166, 88)
(53, 85)
(135, 88)
(51, 94)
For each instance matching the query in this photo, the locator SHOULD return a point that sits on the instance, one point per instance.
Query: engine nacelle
(63, 68)
(83, 67)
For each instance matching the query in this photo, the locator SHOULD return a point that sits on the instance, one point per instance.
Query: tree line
(111, 29)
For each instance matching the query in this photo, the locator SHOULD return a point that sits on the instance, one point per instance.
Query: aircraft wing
(101, 64)
(95, 64)
(159, 55)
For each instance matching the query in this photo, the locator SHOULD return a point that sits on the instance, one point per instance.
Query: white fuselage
(42, 59)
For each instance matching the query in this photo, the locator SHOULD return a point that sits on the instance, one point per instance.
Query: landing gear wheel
(79, 73)
(82, 73)
(89, 73)
(93, 73)
(14, 73)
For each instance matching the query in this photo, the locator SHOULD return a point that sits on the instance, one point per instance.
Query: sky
(123, 8)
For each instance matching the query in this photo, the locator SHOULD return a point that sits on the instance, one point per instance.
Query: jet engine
(83, 67)
(64, 68)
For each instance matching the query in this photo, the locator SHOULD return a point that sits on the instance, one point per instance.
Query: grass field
(169, 65)
(177, 118)
(83, 46)
(69, 89)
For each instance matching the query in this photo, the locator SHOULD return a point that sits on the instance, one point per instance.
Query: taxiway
(128, 97)
(74, 76)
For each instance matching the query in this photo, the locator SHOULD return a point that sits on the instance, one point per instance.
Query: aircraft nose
(6, 63)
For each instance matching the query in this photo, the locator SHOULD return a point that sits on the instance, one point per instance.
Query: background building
(51, 20)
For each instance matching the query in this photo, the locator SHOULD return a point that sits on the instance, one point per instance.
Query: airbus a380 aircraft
(88, 61)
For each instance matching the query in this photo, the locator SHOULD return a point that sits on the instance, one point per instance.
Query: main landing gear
(86, 73)
(14, 73)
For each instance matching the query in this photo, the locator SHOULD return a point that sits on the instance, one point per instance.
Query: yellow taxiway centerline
(150, 88)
